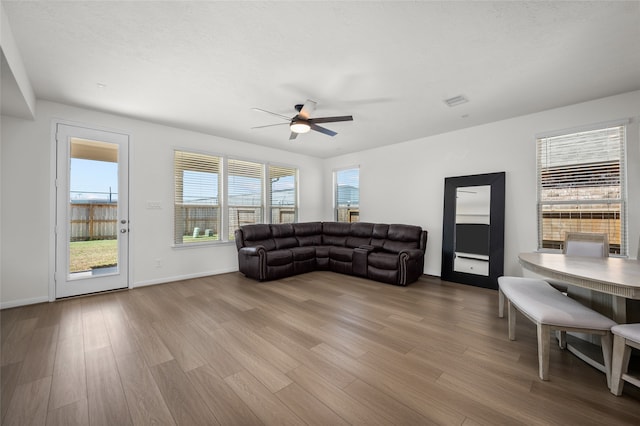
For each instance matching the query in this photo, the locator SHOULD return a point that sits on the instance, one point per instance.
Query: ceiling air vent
(456, 100)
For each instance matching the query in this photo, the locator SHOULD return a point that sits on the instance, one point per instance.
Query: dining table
(616, 276)
(614, 280)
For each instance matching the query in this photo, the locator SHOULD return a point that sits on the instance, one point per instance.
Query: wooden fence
(93, 221)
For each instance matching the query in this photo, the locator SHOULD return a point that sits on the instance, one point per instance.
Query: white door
(92, 212)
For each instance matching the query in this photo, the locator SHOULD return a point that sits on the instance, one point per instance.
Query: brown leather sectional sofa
(392, 254)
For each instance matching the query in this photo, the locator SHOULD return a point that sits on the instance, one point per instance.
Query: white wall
(404, 183)
(27, 214)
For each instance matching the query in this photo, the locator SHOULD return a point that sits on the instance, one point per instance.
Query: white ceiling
(390, 64)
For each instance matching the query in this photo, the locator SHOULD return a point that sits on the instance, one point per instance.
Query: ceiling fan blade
(272, 113)
(307, 109)
(322, 129)
(293, 136)
(269, 125)
(331, 119)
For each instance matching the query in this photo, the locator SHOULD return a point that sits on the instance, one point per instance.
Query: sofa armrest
(252, 251)
(412, 253)
(359, 264)
(252, 261)
(411, 263)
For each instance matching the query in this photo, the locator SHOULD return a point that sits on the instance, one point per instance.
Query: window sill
(203, 245)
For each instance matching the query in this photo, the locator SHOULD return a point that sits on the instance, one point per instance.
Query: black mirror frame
(496, 229)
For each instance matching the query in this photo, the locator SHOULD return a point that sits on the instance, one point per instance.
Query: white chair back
(586, 244)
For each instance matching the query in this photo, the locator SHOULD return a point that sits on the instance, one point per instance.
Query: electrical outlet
(158, 263)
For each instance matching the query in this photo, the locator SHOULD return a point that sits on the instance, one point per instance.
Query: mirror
(471, 241)
(473, 229)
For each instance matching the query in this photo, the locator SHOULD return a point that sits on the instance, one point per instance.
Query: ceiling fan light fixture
(300, 126)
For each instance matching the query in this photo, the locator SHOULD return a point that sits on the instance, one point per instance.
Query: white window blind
(197, 192)
(283, 194)
(347, 195)
(245, 185)
(582, 186)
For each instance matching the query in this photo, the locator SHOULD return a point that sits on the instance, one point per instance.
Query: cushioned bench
(625, 337)
(549, 309)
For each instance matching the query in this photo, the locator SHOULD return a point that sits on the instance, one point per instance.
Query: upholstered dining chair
(582, 244)
(586, 244)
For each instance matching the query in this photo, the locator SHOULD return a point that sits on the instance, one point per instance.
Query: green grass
(87, 255)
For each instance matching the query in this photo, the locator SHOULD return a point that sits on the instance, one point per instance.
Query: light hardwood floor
(319, 348)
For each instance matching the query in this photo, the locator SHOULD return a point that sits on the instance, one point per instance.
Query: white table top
(611, 275)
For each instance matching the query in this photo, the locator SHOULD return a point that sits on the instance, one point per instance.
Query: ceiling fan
(302, 121)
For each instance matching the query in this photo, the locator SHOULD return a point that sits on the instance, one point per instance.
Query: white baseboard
(23, 302)
(182, 277)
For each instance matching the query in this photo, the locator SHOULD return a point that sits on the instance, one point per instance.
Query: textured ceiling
(204, 65)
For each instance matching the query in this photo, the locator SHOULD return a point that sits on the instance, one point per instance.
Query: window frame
(260, 218)
(623, 184)
(225, 234)
(219, 173)
(269, 187)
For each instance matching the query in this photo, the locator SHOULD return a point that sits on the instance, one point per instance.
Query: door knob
(123, 230)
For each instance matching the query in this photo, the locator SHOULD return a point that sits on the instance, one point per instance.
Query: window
(197, 204)
(245, 188)
(215, 195)
(582, 186)
(283, 194)
(347, 195)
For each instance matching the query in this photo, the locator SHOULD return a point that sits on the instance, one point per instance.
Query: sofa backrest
(283, 236)
(392, 238)
(402, 237)
(335, 233)
(256, 235)
(359, 234)
(379, 235)
(308, 233)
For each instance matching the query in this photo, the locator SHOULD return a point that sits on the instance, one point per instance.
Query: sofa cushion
(335, 233)
(309, 240)
(342, 254)
(307, 228)
(322, 251)
(303, 253)
(256, 232)
(361, 229)
(281, 230)
(285, 243)
(258, 235)
(308, 234)
(353, 242)
(402, 237)
(283, 236)
(383, 275)
(404, 233)
(379, 234)
(382, 260)
(279, 257)
(334, 240)
(359, 234)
